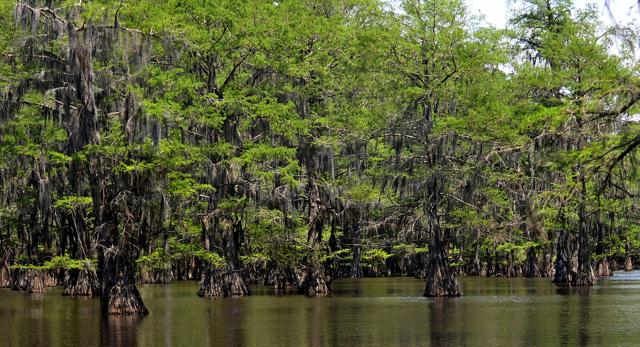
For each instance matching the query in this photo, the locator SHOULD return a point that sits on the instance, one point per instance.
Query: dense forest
(290, 143)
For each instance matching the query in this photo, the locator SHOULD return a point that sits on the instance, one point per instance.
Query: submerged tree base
(313, 282)
(217, 283)
(5, 277)
(81, 282)
(124, 299)
(603, 268)
(628, 264)
(442, 287)
(283, 278)
(157, 277)
(29, 280)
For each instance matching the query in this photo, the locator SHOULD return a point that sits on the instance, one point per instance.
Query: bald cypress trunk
(356, 268)
(531, 268)
(312, 282)
(603, 268)
(5, 274)
(441, 280)
(628, 264)
(224, 281)
(476, 264)
(563, 268)
(36, 279)
(233, 280)
(119, 295)
(81, 282)
(584, 275)
(213, 284)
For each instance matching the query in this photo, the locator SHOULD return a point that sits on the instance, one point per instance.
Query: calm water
(369, 312)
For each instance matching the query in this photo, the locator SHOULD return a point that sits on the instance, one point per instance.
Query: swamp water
(366, 312)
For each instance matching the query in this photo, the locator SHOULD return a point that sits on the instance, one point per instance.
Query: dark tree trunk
(213, 284)
(313, 281)
(5, 274)
(476, 264)
(223, 282)
(441, 281)
(118, 292)
(584, 276)
(81, 282)
(563, 268)
(158, 276)
(547, 267)
(29, 280)
(233, 280)
(356, 268)
(532, 268)
(602, 265)
(511, 271)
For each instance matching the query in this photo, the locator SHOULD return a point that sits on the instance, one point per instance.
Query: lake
(366, 312)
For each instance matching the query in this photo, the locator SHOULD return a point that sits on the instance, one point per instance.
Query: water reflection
(388, 312)
(441, 311)
(119, 331)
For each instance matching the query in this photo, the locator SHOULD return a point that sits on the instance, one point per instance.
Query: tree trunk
(356, 268)
(511, 271)
(441, 281)
(35, 278)
(584, 276)
(119, 295)
(313, 280)
(628, 264)
(532, 268)
(563, 268)
(547, 267)
(602, 266)
(476, 265)
(5, 274)
(81, 282)
(28, 279)
(213, 285)
(156, 276)
(233, 281)
(603, 269)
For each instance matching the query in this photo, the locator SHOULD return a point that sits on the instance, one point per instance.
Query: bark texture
(81, 282)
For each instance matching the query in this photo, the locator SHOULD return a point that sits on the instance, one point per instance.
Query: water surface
(367, 312)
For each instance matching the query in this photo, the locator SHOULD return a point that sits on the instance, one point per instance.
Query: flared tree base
(603, 268)
(81, 282)
(29, 280)
(313, 282)
(628, 264)
(124, 299)
(5, 278)
(442, 287)
(156, 277)
(217, 283)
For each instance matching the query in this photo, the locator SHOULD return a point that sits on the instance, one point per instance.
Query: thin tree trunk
(585, 275)
(356, 268)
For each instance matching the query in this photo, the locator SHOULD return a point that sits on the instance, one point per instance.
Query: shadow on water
(119, 331)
